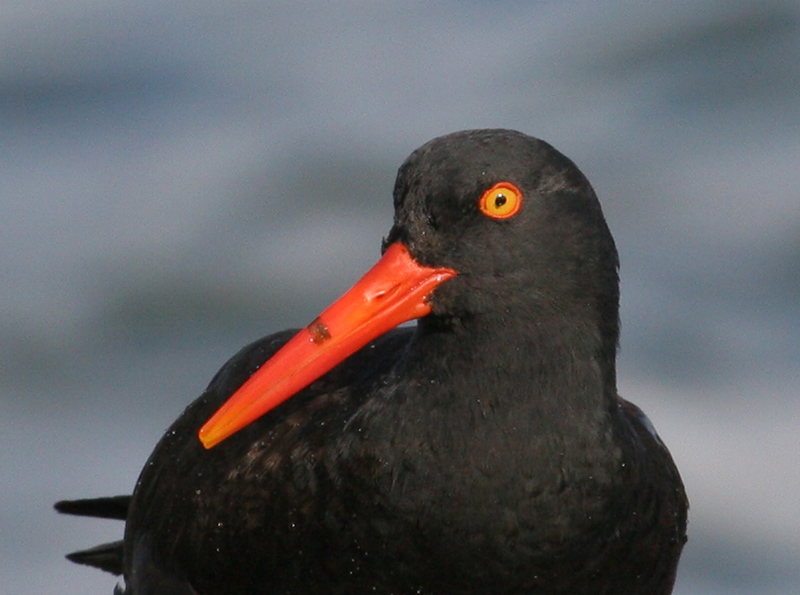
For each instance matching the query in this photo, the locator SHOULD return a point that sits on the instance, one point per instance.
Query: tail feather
(113, 507)
(107, 556)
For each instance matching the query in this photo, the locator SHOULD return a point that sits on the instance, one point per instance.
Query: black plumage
(484, 451)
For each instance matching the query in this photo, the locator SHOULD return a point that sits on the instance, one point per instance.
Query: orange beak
(393, 291)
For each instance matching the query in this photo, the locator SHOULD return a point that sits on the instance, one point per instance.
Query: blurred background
(178, 179)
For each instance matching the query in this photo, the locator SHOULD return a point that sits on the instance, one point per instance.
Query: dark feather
(112, 507)
(107, 556)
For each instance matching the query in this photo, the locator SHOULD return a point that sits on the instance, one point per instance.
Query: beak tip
(208, 438)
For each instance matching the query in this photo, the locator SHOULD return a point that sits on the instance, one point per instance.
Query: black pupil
(499, 200)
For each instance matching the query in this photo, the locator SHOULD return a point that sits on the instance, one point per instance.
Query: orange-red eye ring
(501, 201)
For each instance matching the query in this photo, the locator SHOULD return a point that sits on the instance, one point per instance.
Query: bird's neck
(530, 361)
(551, 380)
(516, 413)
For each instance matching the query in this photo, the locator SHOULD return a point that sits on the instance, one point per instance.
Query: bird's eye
(501, 201)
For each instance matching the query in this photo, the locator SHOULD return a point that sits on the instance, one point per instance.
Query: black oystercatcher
(485, 451)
